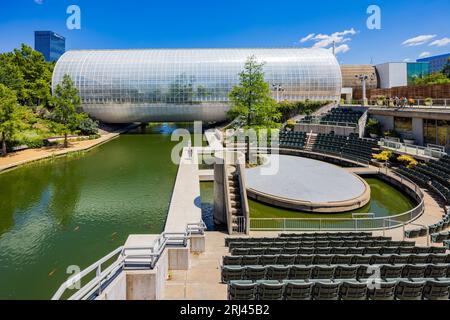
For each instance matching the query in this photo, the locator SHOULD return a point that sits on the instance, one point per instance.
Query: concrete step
(235, 212)
(235, 204)
(235, 196)
(233, 183)
(232, 190)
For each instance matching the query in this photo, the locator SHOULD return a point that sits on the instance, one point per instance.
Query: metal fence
(345, 224)
(432, 151)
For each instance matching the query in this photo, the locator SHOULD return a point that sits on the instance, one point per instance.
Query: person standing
(388, 101)
(395, 101)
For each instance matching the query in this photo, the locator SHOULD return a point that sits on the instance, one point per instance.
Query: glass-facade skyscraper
(50, 44)
(436, 63)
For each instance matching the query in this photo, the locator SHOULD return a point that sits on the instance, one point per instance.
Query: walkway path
(202, 280)
(185, 205)
(18, 158)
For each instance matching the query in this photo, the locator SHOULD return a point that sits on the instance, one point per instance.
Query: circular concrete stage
(306, 185)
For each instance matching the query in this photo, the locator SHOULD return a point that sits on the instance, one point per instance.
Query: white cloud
(407, 60)
(326, 40)
(343, 48)
(440, 42)
(39, 1)
(308, 37)
(419, 40)
(424, 54)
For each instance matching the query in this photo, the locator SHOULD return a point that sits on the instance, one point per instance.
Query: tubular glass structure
(120, 86)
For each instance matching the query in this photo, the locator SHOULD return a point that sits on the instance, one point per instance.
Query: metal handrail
(95, 285)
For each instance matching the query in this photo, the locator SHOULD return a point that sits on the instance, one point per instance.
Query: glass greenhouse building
(121, 86)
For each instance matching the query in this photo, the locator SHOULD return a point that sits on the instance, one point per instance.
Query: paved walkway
(202, 280)
(185, 205)
(19, 158)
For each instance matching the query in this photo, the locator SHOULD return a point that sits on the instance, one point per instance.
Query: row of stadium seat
(356, 271)
(310, 259)
(336, 250)
(322, 243)
(399, 289)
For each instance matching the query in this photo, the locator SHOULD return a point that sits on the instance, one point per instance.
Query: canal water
(74, 210)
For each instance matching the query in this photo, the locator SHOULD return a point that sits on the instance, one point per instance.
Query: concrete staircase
(237, 215)
(312, 137)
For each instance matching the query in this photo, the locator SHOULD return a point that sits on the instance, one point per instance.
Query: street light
(363, 78)
(277, 87)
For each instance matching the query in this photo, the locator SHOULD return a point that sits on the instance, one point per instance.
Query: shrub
(428, 102)
(391, 134)
(88, 127)
(373, 126)
(383, 156)
(290, 124)
(408, 161)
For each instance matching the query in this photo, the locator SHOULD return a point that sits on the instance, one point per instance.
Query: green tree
(10, 74)
(446, 70)
(251, 98)
(66, 104)
(10, 115)
(33, 75)
(434, 78)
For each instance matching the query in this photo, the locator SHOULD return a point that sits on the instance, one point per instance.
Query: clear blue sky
(236, 23)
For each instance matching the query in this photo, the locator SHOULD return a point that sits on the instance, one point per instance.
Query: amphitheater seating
(342, 115)
(259, 268)
(351, 146)
(292, 140)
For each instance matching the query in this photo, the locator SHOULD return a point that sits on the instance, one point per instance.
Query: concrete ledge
(198, 243)
(179, 258)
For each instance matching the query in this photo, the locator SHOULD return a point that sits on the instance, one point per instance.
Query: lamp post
(363, 78)
(277, 87)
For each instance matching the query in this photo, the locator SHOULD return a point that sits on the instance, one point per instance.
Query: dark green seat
(286, 259)
(268, 259)
(418, 258)
(322, 259)
(324, 290)
(255, 273)
(353, 290)
(304, 259)
(436, 270)
(436, 290)
(323, 272)
(346, 272)
(384, 290)
(437, 258)
(360, 259)
(230, 273)
(388, 271)
(341, 259)
(412, 271)
(409, 290)
(379, 259)
(297, 290)
(399, 259)
(242, 290)
(250, 260)
(298, 272)
(269, 290)
(232, 260)
(277, 273)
